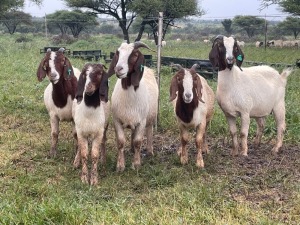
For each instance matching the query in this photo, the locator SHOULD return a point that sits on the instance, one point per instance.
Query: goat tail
(286, 72)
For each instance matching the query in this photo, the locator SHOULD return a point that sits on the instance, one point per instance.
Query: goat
(249, 92)
(193, 102)
(259, 44)
(59, 94)
(241, 43)
(206, 41)
(90, 113)
(134, 101)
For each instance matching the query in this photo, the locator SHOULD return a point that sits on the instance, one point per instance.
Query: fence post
(160, 24)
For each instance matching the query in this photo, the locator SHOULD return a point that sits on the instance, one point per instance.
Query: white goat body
(60, 92)
(91, 120)
(134, 100)
(249, 92)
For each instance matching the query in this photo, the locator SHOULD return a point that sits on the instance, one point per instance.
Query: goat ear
(80, 86)
(113, 63)
(214, 55)
(41, 71)
(136, 76)
(239, 56)
(68, 69)
(173, 88)
(103, 90)
(199, 89)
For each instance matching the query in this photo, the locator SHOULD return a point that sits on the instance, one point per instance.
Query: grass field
(260, 189)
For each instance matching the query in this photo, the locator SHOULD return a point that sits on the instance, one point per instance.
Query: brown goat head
(128, 64)
(56, 66)
(221, 56)
(91, 79)
(177, 88)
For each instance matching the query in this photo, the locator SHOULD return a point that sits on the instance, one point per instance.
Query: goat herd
(82, 97)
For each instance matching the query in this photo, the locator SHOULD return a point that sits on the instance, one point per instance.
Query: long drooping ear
(103, 90)
(199, 89)
(81, 85)
(173, 88)
(136, 76)
(113, 63)
(238, 55)
(214, 54)
(68, 69)
(41, 71)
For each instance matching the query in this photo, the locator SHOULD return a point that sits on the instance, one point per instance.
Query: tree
(227, 25)
(125, 11)
(291, 24)
(6, 5)
(12, 19)
(75, 20)
(57, 20)
(118, 9)
(289, 6)
(172, 9)
(251, 24)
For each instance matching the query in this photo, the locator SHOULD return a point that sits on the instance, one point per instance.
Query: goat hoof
(275, 151)
(76, 163)
(120, 168)
(84, 179)
(52, 153)
(94, 180)
(200, 164)
(135, 166)
(183, 160)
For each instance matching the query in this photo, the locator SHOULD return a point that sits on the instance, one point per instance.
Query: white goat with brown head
(59, 94)
(134, 100)
(91, 112)
(249, 92)
(193, 102)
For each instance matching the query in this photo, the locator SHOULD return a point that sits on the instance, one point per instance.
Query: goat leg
(183, 148)
(233, 131)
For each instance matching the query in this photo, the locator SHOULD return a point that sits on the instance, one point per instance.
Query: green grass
(260, 189)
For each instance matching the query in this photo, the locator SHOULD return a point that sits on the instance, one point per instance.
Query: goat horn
(139, 44)
(176, 66)
(195, 66)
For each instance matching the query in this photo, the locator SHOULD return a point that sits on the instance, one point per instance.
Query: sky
(215, 9)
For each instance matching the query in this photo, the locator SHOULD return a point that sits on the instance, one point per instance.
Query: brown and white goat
(249, 92)
(134, 100)
(59, 94)
(90, 113)
(193, 102)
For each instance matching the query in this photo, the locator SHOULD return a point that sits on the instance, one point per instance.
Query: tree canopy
(288, 6)
(125, 11)
(250, 24)
(172, 9)
(14, 18)
(291, 24)
(227, 25)
(75, 20)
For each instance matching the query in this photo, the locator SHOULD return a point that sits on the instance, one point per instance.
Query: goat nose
(188, 95)
(119, 68)
(230, 58)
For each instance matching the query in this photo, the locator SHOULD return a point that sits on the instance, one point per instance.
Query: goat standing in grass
(193, 102)
(91, 112)
(134, 100)
(59, 94)
(249, 92)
